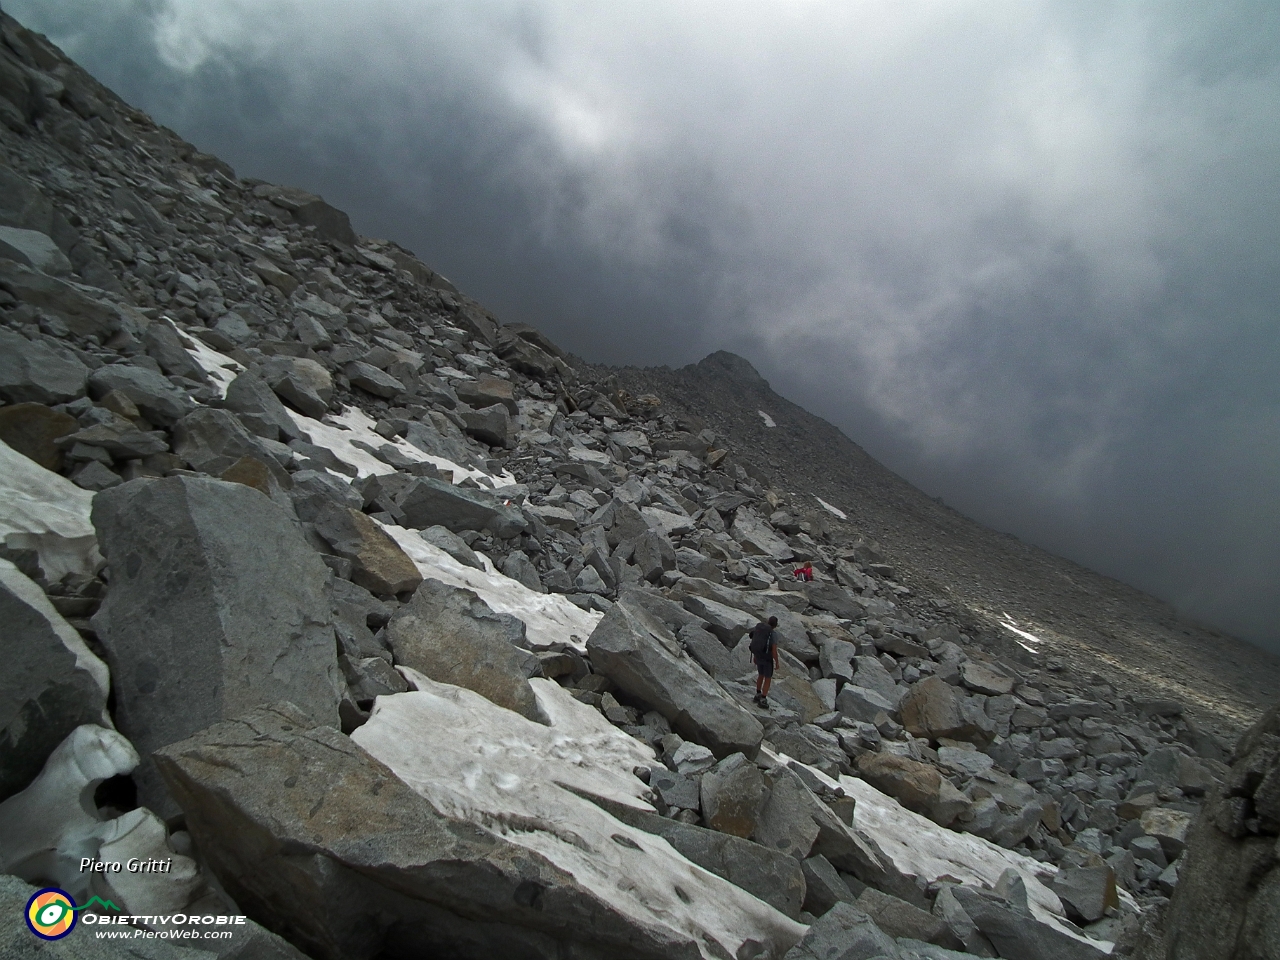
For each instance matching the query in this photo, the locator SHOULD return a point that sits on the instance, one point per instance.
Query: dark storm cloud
(1025, 253)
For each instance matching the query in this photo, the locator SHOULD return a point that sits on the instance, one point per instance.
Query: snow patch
(549, 618)
(42, 511)
(342, 429)
(835, 511)
(768, 420)
(220, 368)
(480, 763)
(1009, 624)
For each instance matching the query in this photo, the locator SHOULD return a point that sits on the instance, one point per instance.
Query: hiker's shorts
(764, 665)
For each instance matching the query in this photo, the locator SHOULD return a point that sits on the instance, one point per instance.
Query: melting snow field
(220, 368)
(549, 617)
(768, 420)
(42, 511)
(835, 511)
(478, 762)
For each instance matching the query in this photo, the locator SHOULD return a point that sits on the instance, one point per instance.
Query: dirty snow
(835, 511)
(489, 766)
(768, 420)
(549, 617)
(45, 512)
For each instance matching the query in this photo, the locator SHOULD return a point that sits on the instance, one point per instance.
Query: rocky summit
(341, 618)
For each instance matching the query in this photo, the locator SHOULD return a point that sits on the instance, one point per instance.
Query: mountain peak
(722, 363)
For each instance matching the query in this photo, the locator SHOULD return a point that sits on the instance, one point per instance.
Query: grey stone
(844, 932)
(372, 380)
(948, 909)
(453, 636)
(76, 306)
(257, 790)
(824, 887)
(901, 919)
(1170, 767)
(712, 655)
(726, 623)
(452, 544)
(813, 746)
(835, 659)
(155, 397)
(378, 562)
(211, 440)
(428, 502)
(302, 383)
(34, 430)
(486, 391)
(589, 581)
(1017, 936)
(491, 425)
(310, 210)
(733, 794)
(835, 599)
(217, 604)
(33, 249)
(757, 537)
(313, 489)
(934, 709)
(166, 348)
(519, 567)
(982, 678)
(637, 652)
(858, 703)
(676, 789)
(653, 555)
(768, 875)
(121, 439)
(251, 398)
(872, 674)
(1086, 892)
(34, 371)
(50, 685)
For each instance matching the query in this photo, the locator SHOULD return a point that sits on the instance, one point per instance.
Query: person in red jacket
(804, 571)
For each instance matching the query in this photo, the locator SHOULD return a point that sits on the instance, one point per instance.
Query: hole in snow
(622, 841)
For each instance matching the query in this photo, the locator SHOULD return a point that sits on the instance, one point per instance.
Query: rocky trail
(383, 629)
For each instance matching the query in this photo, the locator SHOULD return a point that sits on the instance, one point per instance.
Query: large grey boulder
(251, 399)
(636, 651)
(1227, 901)
(372, 380)
(77, 306)
(491, 425)
(845, 932)
(835, 599)
(378, 562)
(429, 502)
(767, 874)
(51, 682)
(728, 624)
(1017, 935)
(33, 249)
(733, 794)
(301, 382)
(166, 348)
(33, 371)
(757, 537)
(453, 636)
(217, 604)
(156, 398)
(212, 440)
(310, 211)
(934, 709)
(313, 836)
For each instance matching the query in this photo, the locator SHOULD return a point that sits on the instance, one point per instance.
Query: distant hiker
(804, 572)
(764, 650)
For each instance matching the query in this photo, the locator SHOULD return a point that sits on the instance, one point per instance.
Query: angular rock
(872, 674)
(933, 709)
(845, 932)
(378, 563)
(156, 398)
(824, 887)
(452, 544)
(486, 391)
(51, 683)
(76, 306)
(653, 555)
(728, 624)
(982, 678)
(901, 919)
(859, 703)
(757, 537)
(835, 599)
(1171, 767)
(32, 429)
(733, 794)
(303, 384)
(217, 604)
(257, 790)
(251, 399)
(1086, 892)
(166, 348)
(33, 249)
(453, 636)
(311, 211)
(519, 567)
(33, 371)
(491, 425)
(1018, 936)
(637, 652)
(1170, 827)
(213, 440)
(917, 786)
(429, 502)
(372, 380)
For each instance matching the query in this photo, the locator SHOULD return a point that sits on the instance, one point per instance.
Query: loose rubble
(381, 579)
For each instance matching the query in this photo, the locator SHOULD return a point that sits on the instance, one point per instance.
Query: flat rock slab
(453, 636)
(51, 682)
(430, 502)
(217, 605)
(636, 651)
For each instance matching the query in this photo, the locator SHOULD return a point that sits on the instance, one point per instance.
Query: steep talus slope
(1092, 622)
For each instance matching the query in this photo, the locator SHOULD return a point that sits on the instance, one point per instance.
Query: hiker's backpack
(760, 640)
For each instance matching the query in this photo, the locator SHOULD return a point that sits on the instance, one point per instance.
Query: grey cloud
(1025, 255)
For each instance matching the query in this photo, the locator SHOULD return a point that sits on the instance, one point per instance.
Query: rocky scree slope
(1087, 623)
(384, 626)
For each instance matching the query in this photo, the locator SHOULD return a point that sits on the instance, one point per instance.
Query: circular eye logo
(51, 914)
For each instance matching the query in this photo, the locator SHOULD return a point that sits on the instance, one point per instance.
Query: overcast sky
(1024, 253)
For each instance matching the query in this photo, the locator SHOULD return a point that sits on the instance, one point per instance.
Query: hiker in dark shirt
(764, 650)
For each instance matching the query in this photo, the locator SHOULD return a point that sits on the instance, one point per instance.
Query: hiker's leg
(767, 682)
